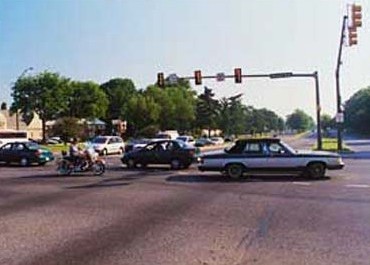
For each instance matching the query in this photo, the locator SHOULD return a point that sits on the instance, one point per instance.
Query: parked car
(25, 153)
(186, 139)
(105, 145)
(175, 153)
(269, 155)
(217, 140)
(203, 142)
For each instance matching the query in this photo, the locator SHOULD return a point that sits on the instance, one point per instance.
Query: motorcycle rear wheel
(64, 168)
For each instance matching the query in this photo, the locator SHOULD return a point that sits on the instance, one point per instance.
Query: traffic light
(160, 79)
(198, 77)
(356, 16)
(238, 75)
(352, 36)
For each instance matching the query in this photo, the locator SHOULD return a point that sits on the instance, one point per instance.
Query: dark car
(175, 153)
(25, 153)
(269, 155)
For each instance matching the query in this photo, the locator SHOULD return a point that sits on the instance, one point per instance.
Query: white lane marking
(357, 186)
(302, 183)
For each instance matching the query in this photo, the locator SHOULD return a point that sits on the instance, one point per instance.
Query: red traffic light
(356, 16)
(160, 79)
(238, 75)
(198, 77)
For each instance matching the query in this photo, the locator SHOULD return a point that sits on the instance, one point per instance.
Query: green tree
(143, 111)
(177, 103)
(357, 114)
(119, 91)
(207, 110)
(86, 100)
(299, 121)
(327, 122)
(67, 128)
(43, 94)
(231, 116)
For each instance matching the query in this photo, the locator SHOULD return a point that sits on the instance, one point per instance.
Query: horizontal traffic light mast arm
(273, 75)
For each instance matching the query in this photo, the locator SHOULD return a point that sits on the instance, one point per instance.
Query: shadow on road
(101, 184)
(46, 176)
(245, 179)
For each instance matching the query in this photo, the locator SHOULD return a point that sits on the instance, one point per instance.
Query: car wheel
(175, 164)
(131, 163)
(316, 170)
(235, 171)
(24, 162)
(121, 151)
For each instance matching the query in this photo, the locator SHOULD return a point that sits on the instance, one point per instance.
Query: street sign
(339, 117)
(173, 79)
(281, 75)
(220, 77)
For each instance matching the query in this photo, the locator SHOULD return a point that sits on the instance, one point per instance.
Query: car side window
(18, 147)
(6, 147)
(252, 148)
(111, 141)
(276, 149)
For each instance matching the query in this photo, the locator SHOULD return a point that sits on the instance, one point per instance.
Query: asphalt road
(159, 216)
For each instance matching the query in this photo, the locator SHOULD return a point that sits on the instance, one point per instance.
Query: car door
(279, 158)
(147, 155)
(6, 153)
(111, 146)
(254, 158)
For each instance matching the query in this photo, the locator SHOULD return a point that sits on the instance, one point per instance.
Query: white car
(186, 139)
(105, 145)
(269, 155)
(217, 140)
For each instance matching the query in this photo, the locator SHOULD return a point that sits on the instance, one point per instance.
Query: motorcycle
(68, 165)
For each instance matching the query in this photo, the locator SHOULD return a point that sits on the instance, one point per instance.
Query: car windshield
(32, 146)
(289, 148)
(99, 140)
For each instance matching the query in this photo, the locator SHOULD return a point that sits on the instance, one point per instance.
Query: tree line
(176, 106)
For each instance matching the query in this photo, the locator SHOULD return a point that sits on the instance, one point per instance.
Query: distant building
(9, 121)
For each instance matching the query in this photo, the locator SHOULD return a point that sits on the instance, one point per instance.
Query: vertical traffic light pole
(318, 110)
(339, 100)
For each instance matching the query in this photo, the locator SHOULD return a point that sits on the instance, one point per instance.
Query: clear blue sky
(102, 39)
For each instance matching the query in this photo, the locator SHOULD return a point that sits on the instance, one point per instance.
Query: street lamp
(16, 113)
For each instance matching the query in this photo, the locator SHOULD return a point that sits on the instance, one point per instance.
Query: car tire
(131, 163)
(316, 170)
(176, 164)
(121, 151)
(235, 171)
(24, 162)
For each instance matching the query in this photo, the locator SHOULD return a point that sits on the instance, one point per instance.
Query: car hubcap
(235, 172)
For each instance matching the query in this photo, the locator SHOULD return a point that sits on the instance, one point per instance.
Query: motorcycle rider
(75, 152)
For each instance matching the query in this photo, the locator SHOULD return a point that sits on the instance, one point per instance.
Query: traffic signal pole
(339, 99)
